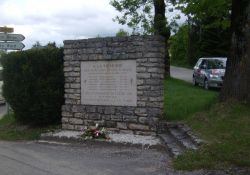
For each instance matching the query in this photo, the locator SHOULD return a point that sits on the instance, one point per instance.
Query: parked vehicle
(209, 72)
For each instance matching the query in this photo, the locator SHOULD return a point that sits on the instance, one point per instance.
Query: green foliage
(137, 14)
(194, 50)
(1, 53)
(208, 28)
(122, 33)
(143, 16)
(37, 45)
(179, 47)
(34, 84)
(1, 77)
(210, 42)
(189, 44)
(212, 14)
(215, 42)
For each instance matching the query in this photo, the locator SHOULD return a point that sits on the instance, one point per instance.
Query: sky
(57, 20)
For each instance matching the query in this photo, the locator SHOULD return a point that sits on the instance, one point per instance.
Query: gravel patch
(135, 139)
(114, 137)
(67, 134)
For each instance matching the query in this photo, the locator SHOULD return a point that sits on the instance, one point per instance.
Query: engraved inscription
(109, 83)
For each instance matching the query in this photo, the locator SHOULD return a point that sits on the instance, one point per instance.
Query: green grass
(182, 99)
(12, 130)
(226, 127)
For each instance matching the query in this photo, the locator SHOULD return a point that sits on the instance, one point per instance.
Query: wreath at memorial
(94, 133)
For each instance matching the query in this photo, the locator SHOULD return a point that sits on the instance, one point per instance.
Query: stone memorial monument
(116, 82)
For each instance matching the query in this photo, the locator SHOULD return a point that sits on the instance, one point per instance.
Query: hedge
(34, 84)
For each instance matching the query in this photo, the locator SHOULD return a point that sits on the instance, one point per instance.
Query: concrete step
(195, 139)
(172, 145)
(183, 138)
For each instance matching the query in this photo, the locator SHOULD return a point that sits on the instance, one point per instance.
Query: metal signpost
(9, 41)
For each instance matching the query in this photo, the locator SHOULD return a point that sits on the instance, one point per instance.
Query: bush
(34, 84)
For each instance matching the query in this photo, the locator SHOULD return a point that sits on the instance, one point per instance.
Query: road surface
(181, 73)
(3, 110)
(30, 158)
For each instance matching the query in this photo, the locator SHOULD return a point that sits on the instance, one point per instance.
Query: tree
(37, 45)
(179, 51)
(212, 14)
(209, 27)
(122, 33)
(137, 14)
(237, 79)
(161, 28)
(51, 44)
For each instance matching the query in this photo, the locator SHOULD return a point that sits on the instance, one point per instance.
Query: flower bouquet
(94, 133)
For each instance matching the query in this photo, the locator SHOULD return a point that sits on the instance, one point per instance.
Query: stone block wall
(148, 51)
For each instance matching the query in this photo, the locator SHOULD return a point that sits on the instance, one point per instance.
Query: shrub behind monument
(34, 84)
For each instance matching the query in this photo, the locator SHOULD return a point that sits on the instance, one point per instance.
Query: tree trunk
(161, 28)
(237, 79)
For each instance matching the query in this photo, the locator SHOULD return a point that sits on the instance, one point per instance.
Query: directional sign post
(11, 37)
(11, 45)
(10, 41)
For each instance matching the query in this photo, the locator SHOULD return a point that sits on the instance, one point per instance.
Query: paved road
(29, 158)
(181, 73)
(3, 110)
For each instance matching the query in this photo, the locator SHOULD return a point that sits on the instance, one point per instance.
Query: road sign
(11, 45)
(6, 29)
(11, 37)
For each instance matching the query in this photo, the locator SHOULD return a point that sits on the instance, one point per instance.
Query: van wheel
(206, 85)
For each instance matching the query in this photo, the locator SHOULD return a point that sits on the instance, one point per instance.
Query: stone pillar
(139, 110)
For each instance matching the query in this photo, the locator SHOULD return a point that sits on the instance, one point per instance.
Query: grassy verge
(227, 129)
(11, 130)
(182, 99)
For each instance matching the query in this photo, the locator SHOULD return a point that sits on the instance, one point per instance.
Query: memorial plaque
(109, 83)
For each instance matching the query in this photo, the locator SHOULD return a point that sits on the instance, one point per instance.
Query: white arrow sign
(11, 45)
(11, 37)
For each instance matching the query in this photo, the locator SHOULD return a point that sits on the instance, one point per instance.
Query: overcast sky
(57, 20)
